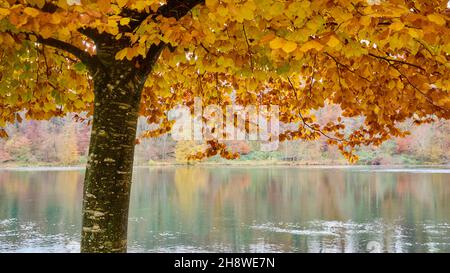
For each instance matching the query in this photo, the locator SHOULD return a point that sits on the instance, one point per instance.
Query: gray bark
(109, 169)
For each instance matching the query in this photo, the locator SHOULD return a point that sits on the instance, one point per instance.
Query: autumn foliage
(386, 61)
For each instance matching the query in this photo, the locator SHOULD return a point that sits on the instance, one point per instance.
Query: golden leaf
(333, 41)
(289, 46)
(437, 19)
(311, 45)
(31, 11)
(277, 43)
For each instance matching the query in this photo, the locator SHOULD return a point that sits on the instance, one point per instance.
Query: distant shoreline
(235, 164)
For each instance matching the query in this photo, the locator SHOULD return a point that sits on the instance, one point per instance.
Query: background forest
(65, 141)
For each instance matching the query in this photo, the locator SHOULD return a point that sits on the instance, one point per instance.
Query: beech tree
(384, 60)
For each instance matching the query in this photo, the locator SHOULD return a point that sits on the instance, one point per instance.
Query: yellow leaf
(247, 10)
(63, 4)
(376, 109)
(311, 45)
(397, 26)
(88, 97)
(415, 33)
(104, 5)
(55, 19)
(246, 14)
(79, 104)
(437, 19)
(124, 21)
(64, 33)
(212, 4)
(4, 12)
(391, 84)
(121, 54)
(46, 31)
(333, 41)
(132, 52)
(267, 38)
(31, 11)
(140, 5)
(365, 20)
(289, 46)
(222, 11)
(121, 3)
(39, 3)
(277, 43)
(112, 23)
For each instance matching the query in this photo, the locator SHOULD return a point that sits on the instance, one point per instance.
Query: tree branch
(396, 61)
(91, 33)
(176, 9)
(307, 124)
(83, 56)
(428, 99)
(77, 52)
(172, 9)
(346, 67)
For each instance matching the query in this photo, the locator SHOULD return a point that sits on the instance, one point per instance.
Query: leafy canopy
(384, 60)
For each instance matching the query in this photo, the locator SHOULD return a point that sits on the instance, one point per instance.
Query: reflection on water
(191, 209)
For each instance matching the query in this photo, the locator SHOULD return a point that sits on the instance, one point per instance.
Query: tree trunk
(109, 169)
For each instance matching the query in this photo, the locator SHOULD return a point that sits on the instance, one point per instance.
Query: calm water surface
(254, 209)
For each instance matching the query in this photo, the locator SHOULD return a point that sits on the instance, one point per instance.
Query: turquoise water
(248, 209)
